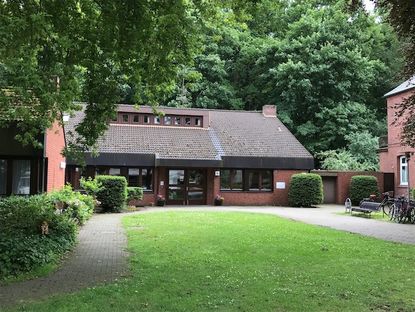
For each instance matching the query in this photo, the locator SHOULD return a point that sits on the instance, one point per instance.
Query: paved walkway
(99, 257)
(328, 216)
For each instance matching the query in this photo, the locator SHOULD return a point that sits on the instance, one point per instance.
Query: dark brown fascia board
(149, 160)
(268, 162)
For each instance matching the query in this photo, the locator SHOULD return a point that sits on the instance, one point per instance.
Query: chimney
(269, 111)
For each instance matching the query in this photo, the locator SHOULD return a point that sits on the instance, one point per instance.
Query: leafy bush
(113, 193)
(75, 204)
(134, 193)
(306, 190)
(362, 187)
(91, 186)
(23, 247)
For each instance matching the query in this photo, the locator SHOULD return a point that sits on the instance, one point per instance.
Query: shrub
(134, 193)
(76, 205)
(23, 247)
(362, 187)
(91, 186)
(113, 193)
(306, 190)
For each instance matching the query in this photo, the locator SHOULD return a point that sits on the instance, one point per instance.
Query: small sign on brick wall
(280, 185)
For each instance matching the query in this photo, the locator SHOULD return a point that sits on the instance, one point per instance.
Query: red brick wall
(55, 143)
(278, 197)
(389, 158)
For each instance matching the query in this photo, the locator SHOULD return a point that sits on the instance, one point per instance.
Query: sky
(369, 4)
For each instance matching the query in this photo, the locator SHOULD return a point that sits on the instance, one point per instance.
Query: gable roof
(227, 139)
(404, 86)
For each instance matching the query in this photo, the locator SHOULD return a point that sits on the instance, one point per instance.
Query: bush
(134, 193)
(76, 205)
(23, 247)
(113, 193)
(362, 187)
(306, 190)
(91, 186)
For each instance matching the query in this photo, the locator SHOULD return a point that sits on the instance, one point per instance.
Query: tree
(94, 49)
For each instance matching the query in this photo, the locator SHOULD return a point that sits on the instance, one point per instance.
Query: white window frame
(403, 164)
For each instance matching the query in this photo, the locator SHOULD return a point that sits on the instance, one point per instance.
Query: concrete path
(99, 257)
(327, 215)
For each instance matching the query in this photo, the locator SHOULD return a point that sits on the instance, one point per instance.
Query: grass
(227, 261)
(373, 215)
(36, 273)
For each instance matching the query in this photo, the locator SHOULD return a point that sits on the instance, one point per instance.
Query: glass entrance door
(186, 187)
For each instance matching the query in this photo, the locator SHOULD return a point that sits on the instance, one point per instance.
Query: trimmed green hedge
(23, 247)
(306, 190)
(112, 193)
(134, 193)
(362, 187)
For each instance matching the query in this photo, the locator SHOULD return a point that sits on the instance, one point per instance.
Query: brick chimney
(269, 111)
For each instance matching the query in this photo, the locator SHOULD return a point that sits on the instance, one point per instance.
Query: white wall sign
(161, 183)
(63, 165)
(280, 185)
(217, 173)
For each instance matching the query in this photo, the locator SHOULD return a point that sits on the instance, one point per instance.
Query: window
(142, 177)
(101, 171)
(115, 118)
(125, 118)
(167, 120)
(246, 180)
(146, 119)
(114, 171)
(136, 119)
(177, 121)
(156, 120)
(198, 122)
(21, 177)
(231, 180)
(3, 176)
(188, 121)
(403, 170)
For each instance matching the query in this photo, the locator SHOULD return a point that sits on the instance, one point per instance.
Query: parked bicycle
(402, 210)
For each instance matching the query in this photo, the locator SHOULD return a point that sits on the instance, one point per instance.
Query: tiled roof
(229, 133)
(404, 86)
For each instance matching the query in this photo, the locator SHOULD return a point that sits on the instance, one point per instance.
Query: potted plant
(219, 200)
(161, 201)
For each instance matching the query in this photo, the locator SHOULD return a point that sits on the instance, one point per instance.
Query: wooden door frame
(185, 200)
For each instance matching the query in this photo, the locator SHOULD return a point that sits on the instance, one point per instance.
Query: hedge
(23, 247)
(306, 190)
(112, 193)
(362, 187)
(134, 193)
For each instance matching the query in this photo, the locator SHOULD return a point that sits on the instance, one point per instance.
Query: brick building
(26, 170)
(392, 154)
(189, 156)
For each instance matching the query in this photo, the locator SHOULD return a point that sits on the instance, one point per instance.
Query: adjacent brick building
(392, 154)
(189, 156)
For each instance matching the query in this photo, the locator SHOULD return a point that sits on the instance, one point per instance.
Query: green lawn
(226, 261)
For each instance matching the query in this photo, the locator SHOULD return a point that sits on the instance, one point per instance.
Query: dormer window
(125, 118)
(177, 121)
(198, 122)
(136, 118)
(146, 119)
(188, 121)
(156, 120)
(167, 120)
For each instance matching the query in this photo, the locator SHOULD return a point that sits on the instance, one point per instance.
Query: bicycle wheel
(412, 215)
(386, 209)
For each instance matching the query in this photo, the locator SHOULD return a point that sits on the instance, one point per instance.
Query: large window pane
(225, 182)
(176, 177)
(21, 177)
(115, 171)
(134, 177)
(3, 176)
(147, 179)
(236, 180)
(253, 180)
(266, 181)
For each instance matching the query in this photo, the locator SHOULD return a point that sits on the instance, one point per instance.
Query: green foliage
(361, 154)
(22, 246)
(362, 187)
(78, 206)
(91, 186)
(134, 193)
(306, 190)
(113, 192)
